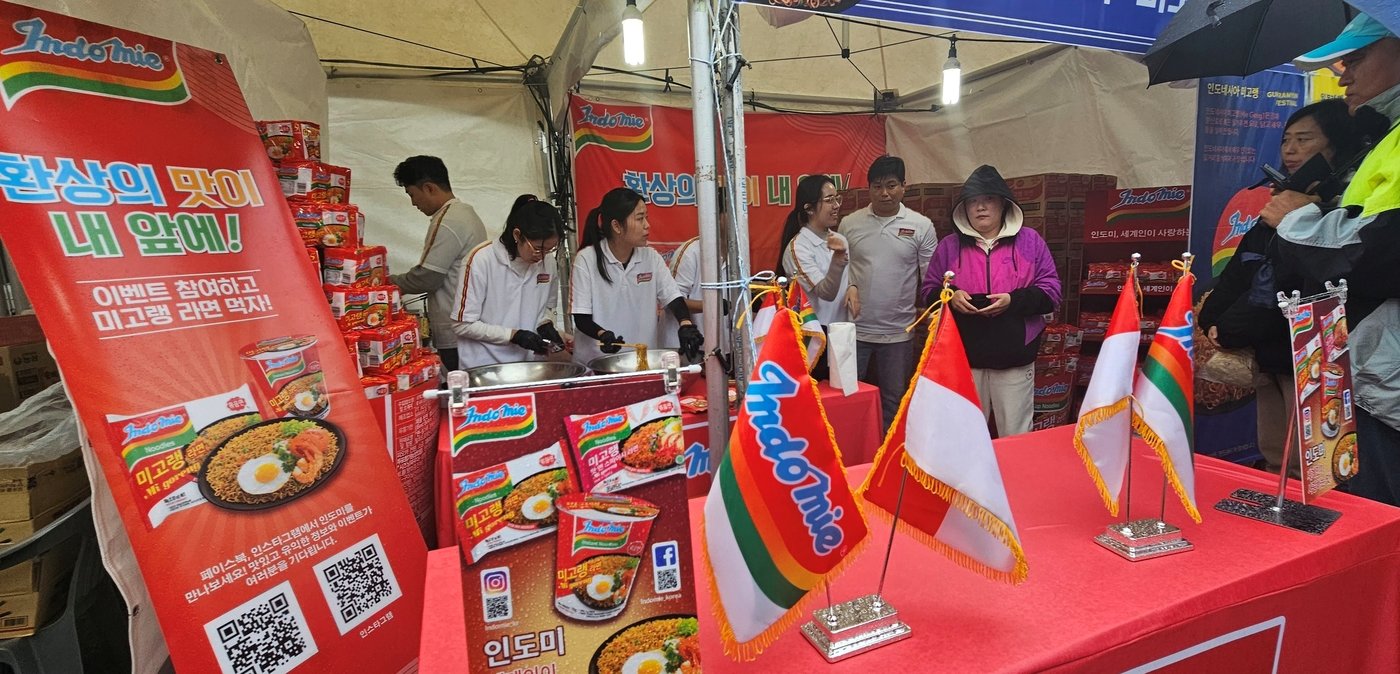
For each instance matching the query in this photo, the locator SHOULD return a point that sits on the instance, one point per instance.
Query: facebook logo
(666, 567)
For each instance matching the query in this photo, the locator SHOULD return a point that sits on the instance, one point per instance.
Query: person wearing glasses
(453, 230)
(504, 308)
(619, 281)
(890, 247)
(814, 255)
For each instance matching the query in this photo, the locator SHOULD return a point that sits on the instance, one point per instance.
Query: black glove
(529, 341)
(608, 342)
(547, 331)
(691, 341)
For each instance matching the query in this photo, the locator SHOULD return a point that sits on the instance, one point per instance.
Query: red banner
(142, 213)
(1151, 214)
(651, 149)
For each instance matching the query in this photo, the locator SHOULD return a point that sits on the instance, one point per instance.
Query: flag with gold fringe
(955, 501)
(1104, 431)
(811, 325)
(762, 317)
(780, 518)
(1164, 392)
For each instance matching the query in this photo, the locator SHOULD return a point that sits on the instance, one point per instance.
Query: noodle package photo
(628, 446)
(511, 502)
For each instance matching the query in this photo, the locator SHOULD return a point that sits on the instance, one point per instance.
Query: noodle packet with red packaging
(385, 349)
(511, 502)
(314, 181)
(340, 226)
(423, 368)
(628, 446)
(291, 140)
(307, 217)
(360, 267)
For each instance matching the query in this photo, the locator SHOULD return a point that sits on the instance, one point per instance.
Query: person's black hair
(536, 221)
(415, 171)
(617, 204)
(1337, 124)
(809, 195)
(886, 166)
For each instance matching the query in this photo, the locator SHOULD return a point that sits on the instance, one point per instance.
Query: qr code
(668, 580)
(666, 567)
(498, 608)
(357, 583)
(266, 635)
(496, 602)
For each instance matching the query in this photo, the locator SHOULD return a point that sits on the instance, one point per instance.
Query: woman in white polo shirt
(618, 283)
(504, 309)
(812, 252)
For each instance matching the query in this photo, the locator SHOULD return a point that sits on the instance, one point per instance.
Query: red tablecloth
(855, 418)
(1250, 593)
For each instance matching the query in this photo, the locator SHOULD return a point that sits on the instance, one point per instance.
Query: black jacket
(1243, 307)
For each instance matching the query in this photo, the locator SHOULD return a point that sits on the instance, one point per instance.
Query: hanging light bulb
(952, 75)
(634, 50)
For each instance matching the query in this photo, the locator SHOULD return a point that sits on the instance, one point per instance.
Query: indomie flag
(780, 518)
(957, 503)
(1104, 431)
(815, 337)
(1165, 393)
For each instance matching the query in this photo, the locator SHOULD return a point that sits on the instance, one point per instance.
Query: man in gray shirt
(454, 229)
(890, 247)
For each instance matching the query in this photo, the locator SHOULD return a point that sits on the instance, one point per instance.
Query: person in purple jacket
(1004, 283)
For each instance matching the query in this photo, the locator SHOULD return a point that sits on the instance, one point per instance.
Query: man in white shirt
(890, 247)
(454, 229)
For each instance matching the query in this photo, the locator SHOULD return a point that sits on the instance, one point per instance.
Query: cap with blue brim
(1360, 33)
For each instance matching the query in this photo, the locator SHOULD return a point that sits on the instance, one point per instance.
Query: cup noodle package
(359, 267)
(291, 140)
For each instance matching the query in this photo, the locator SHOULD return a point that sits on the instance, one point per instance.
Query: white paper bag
(841, 356)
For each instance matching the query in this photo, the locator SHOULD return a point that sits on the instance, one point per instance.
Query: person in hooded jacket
(1004, 283)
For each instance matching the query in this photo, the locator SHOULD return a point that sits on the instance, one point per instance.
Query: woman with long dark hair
(504, 310)
(619, 281)
(813, 254)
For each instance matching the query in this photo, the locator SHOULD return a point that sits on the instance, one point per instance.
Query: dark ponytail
(809, 194)
(535, 219)
(617, 205)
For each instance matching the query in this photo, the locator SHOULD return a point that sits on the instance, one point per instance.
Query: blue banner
(1239, 126)
(1121, 25)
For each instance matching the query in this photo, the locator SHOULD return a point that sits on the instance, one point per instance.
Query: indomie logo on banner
(612, 127)
(109, 67)
(153, 434)
(495, 419)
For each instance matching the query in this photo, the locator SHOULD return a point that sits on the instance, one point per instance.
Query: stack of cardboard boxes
(32, 497)
(26, 367)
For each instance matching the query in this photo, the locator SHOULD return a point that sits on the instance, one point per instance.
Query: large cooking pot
(526, 372)
(626, 361)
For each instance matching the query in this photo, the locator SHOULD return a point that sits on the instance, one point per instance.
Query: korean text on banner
(223, 411)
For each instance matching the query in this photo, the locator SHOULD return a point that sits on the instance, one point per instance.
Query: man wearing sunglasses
(1359, 241)
(890, 247)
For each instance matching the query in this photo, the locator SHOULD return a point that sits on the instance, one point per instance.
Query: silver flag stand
(1274, 508)
(1147, 538)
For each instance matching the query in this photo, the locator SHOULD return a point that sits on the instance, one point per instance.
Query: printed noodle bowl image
(530, 505)
(648, 646)
(303, 396)
(271, 461)
(215, 433)
(613, 592)
(655, 446)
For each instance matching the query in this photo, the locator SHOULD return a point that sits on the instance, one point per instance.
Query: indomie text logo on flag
(493, 419)
(618, 128)
(45, 57)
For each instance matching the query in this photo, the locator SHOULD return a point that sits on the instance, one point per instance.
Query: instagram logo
(495, 581)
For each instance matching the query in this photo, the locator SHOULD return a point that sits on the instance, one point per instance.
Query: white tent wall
(486, 134)
(1074, 111)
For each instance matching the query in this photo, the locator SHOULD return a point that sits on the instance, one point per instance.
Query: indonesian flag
(1165, 393)
(763, 318)
(955, 502)
(780, 518)
(815, 338)
(1104, 431)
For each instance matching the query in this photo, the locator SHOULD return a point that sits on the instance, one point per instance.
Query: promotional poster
(1326, 419)
(139, 206)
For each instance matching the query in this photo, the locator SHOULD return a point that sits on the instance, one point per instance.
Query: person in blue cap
(1359, 240)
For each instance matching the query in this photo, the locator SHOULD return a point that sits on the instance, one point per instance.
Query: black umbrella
(1207, 38)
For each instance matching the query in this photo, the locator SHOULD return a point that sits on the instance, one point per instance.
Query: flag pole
(1128, 488)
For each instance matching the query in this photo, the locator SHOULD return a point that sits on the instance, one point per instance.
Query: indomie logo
(487, 479)
(164, 422)
(1132, 198)
(616, 130)
(491, 419)
(1056, 389)
(600, 535)
(84, 65)
(1239, 224)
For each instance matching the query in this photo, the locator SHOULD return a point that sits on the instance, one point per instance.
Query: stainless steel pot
(526, 372)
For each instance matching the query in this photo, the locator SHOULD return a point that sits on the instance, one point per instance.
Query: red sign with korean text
(144, 218)
(651, 149)
(1147, 214)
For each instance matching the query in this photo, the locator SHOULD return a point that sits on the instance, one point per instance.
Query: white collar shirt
(627, 304)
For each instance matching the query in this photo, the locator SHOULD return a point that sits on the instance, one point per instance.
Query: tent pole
(703, 121)
(732, 131)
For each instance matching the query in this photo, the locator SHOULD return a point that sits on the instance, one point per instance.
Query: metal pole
(732, 115)
(702, 95)
(1287, 450)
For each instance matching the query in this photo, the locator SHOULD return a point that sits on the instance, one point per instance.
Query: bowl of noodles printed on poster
(268, 463)
(663, 644)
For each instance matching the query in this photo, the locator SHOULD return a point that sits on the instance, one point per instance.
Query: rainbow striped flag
(780, 518)
(1164, 392)
(815, 337)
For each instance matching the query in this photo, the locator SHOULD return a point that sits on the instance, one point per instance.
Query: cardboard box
(32, 492)
(24, 614)
(26, 367)
(43, 574)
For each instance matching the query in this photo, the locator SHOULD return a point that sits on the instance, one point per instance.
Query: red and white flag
(1105, 428)
(957, 503)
